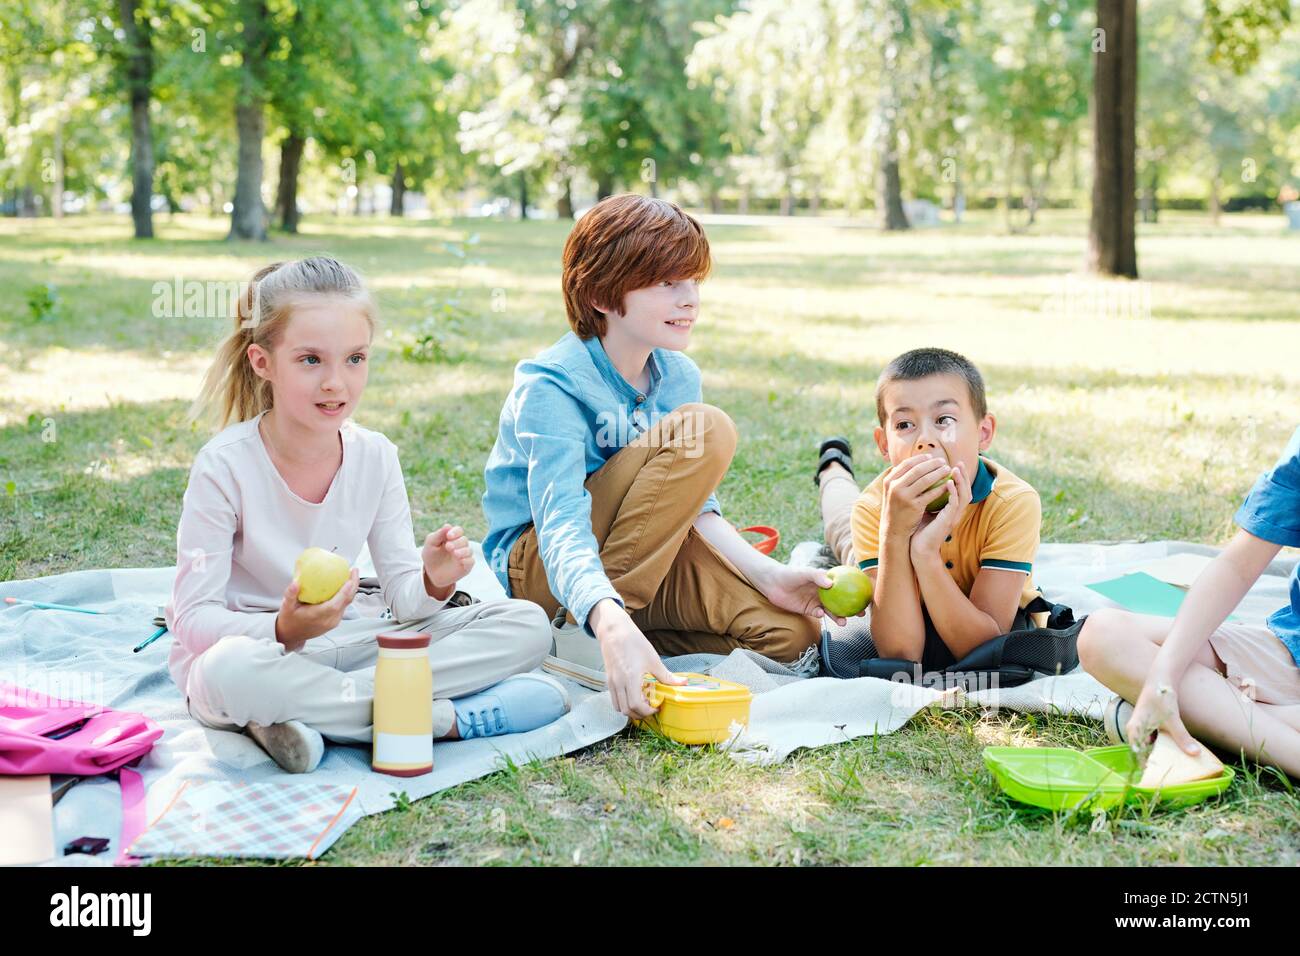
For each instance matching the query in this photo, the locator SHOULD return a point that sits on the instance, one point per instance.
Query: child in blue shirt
(1176, 673)
(600, 487)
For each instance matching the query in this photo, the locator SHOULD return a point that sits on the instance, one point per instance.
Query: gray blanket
(89, 657)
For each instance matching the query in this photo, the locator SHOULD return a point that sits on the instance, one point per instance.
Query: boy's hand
(796, 589)
(627, 655)
(908, 488)
(931, 535)
(447, 556)
(296, 623)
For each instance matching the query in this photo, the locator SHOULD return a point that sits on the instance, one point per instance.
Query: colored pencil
(51, 607)
(147, 641)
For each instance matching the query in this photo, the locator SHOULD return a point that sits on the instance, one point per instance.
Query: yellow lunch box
(701, 711)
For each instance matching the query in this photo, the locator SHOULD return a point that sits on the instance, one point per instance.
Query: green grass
(1146, 424)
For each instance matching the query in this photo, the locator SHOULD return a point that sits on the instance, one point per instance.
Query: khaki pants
(329, 684)
(837, 495)
(679, 590)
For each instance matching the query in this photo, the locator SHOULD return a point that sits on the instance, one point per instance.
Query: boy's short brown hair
(922, 363)
(623, 243)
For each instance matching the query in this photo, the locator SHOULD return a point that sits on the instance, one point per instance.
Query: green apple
(849, 593)
(319, 574)
(938, 504)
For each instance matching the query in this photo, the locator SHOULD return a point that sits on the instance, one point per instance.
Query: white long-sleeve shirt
(242, 529)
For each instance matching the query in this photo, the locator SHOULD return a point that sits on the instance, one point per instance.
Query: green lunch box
(1057, 778)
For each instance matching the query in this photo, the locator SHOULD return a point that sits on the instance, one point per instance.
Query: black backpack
(1017, 657)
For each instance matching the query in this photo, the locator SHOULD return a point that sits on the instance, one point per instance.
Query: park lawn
(1139, 412)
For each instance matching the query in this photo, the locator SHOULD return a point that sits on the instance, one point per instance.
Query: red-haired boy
(600, 488)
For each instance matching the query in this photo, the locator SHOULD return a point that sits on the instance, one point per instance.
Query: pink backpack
(45, 735)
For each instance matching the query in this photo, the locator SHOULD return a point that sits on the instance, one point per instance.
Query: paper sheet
(1180, 570)
(26, 820)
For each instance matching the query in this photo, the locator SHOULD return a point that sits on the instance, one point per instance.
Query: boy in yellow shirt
(948, 576)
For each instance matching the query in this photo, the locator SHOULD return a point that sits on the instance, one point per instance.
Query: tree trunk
(1216, 199)
(248, 218)
(604, 186)
(1112, 244)
(398, 205)
(56, 207)
(1150, 209)
(564, 205)
(889, 185)
(1076, 177)
(286, 195)
(523, 196)
(1007, 166)
(744, 200)
(139, 83)
(715, 200)
(1031, 194)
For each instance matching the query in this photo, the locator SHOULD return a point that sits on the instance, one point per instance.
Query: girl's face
(660, 316)
(319, 367)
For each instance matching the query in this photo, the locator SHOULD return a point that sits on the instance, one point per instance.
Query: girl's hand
(447, 556)
(1157, 709)
(297, 623)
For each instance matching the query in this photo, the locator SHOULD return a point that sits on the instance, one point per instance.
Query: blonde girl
(290, 470)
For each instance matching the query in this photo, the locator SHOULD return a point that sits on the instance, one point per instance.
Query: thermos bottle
(403, 734)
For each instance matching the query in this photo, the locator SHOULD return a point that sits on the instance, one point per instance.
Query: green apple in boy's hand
(849, 593)
(319, 574)
(934, 507)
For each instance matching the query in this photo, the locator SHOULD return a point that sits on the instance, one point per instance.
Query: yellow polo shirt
(999, 529)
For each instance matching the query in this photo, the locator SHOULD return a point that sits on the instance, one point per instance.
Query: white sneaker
(294, 746)
(1115, 719)
(574, 654)
(812, 554)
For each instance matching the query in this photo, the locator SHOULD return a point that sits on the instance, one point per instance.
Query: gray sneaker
(574, 654)
(294, 746)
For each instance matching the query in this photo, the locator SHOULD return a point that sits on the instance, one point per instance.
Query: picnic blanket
(86, 657)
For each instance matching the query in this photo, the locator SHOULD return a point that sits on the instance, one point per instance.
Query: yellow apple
(849, 593)
(319, 574)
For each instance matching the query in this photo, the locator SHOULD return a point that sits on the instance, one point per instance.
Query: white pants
(329, 684)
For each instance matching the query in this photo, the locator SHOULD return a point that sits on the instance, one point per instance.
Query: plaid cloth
(223, 818)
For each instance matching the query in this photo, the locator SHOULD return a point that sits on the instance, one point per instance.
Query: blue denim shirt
(568, 412)
(1272, 511)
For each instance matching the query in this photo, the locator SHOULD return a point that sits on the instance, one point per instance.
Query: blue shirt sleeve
(1272, 509)
(552, 432)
